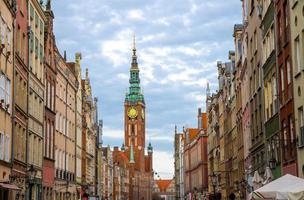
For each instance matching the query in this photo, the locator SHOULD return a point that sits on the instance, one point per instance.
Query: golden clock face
(132, 112)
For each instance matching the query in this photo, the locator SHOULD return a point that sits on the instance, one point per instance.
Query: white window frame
(1, 146)
(298, 54)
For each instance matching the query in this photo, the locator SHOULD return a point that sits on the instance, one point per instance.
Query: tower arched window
(132, 129)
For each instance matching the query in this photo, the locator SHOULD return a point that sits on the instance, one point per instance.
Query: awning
(9, 186)
(285, 187)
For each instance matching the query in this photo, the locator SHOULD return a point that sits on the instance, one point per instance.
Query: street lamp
(31, 175)
(272, 163)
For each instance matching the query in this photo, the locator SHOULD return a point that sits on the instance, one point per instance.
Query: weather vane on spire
(134, 57)
(134, 44)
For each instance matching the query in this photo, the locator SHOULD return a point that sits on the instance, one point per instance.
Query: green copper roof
(134, 94)
(150, 148)
(123, 147)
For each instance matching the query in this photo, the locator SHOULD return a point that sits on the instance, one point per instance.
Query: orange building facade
(164, 189)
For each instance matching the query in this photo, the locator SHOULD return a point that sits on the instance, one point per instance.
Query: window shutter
(8, 91)
(7, 145)
(1, 145)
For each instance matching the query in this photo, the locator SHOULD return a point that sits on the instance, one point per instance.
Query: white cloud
(163, 164)
(152, 37)
(118, 49)
(68, 42)
(197, 96)
(123, 76)
(162, 21)
(194, 8)
(135, 14)
(113, 133)
(158, 135)
(115, 18)
(186, 20)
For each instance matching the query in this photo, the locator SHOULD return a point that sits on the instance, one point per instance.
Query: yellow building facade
(65, 143)
(36, 21)
(6, 91)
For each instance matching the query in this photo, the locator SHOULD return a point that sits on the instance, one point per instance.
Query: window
(1, 146)
(255, 40)
(36, 20)
(274, 92)
(31, 41)
(2, 89)
(31, 12)
(291, 129)
(64, 126)
(56, 159)
(8, 37)
(41, 53)
(2, 31)
(52, 140)
(60, 123)
(5, 91)
(286, 13)
(48, 93)
(282, 78)
(36, 46)
(301, 125)
(41, 27)
(4, 147)
(297, 54)
(288, 72)
(302, 39)
(280, 31)
(18, 41)
(67, 161)
(68, 128)
(62, 158)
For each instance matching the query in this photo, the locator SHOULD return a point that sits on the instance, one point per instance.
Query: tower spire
(134, 43)
(134, 94)
(134, 56)
(208, 90)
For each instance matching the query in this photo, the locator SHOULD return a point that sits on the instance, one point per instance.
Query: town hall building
(133, 148)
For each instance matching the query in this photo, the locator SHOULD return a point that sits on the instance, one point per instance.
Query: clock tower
(134, 117)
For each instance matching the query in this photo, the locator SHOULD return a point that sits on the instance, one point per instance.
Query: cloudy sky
(178, 44)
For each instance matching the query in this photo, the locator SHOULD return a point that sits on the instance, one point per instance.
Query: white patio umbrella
(287, 187)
